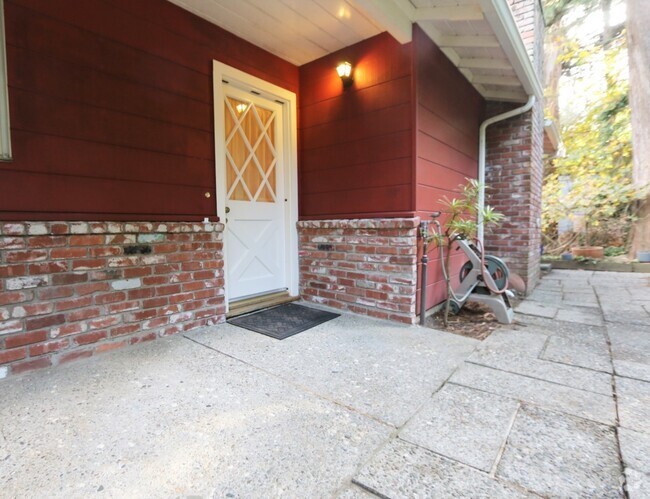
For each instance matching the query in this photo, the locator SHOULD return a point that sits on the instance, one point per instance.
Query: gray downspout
(482, 152)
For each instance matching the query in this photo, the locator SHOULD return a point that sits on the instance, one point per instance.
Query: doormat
(283, 321)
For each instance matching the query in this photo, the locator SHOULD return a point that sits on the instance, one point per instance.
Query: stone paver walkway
(555, 406)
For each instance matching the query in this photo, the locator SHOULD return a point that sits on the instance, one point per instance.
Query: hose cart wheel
(495, 267)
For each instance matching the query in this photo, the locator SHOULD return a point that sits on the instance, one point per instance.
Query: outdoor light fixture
(344, 70)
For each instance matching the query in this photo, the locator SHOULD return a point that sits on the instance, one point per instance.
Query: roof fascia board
(499, 16)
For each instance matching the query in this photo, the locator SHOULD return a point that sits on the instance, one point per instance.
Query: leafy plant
(585, 259)
(615, 251)
(593, 180)
(462, 215)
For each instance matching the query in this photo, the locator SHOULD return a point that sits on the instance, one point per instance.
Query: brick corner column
(514, 177)
(365, 266)
(514, 164)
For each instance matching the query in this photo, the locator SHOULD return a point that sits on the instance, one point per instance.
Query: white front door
(252, 184)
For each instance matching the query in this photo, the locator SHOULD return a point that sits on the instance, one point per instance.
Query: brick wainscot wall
(70, 290)
(364, 266)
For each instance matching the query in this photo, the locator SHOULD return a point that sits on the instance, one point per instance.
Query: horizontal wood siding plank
(48, 76)
(42, 34)
(449, 111)
(107, 22)
(431, 123)
(332, 204)
(356, 157)
(379, 174)
(434, 175)
(111, 109)
(56, 155)
(434, 150)
(42, 114)
(374, 61)
(224, 46)
(430, 199)
(346, 106)
(391, 146)
(376, 123)
(98, 196)
(442, 89)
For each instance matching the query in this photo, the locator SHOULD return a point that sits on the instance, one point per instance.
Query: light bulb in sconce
(344, 70)
(241, 107)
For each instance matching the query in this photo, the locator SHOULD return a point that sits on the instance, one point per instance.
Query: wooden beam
(505, 95)
(451, 13)
(452, 55)
(487, 41)
(485, 63)
(508, 81)
(467, 73)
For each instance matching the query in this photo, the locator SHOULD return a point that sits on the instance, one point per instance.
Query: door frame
(224, 74)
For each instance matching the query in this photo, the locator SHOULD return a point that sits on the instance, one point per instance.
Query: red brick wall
(530, 21)
(514, 164)
(514, 187)
(70, 290)
(364, 266)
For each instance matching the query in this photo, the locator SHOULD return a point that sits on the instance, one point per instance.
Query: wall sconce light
(344, 70)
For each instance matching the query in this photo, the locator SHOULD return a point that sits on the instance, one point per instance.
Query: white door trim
(223, 73)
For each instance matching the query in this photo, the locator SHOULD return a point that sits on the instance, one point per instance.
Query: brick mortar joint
(55, 228)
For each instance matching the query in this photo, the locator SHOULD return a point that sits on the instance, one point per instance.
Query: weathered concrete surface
(353, 360)
(466, 425)
(502, 351)
(623, 349)
(352, 408)
(173, 418)
(404, 470)
(557, 455)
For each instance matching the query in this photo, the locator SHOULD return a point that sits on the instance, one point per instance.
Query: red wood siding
(448, 115)
(356, 145)
(111, 109)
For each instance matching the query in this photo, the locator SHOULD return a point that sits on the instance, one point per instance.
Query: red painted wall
(448, 115)
(356, 152)
(111, 109)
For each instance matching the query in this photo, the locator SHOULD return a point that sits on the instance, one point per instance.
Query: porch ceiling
(479, 36)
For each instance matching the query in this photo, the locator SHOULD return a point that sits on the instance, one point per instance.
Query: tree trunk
(552, 74)
(638, 37)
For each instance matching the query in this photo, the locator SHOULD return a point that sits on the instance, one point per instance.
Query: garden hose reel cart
(483, 278)
(480, 283)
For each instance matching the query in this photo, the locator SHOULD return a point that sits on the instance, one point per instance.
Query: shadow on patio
(352, 406)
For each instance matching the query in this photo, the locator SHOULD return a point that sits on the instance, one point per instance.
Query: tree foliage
(593, 179)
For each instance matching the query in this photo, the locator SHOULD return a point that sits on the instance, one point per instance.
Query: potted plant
(585, 249)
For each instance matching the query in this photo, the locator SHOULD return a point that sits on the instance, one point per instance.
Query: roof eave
(500, 18)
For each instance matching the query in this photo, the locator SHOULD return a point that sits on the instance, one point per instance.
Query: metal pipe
(481, 156)
(424, 232)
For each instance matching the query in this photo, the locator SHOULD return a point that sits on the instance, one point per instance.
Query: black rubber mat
(283, 321)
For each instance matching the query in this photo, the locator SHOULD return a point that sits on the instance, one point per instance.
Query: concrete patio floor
(558, 405)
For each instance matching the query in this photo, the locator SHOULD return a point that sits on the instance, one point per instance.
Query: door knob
(227, 210)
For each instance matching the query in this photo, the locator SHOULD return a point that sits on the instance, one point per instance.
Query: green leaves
(463, 213)
(593, 180)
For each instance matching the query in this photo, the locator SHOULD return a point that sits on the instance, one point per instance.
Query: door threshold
(246, 305)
